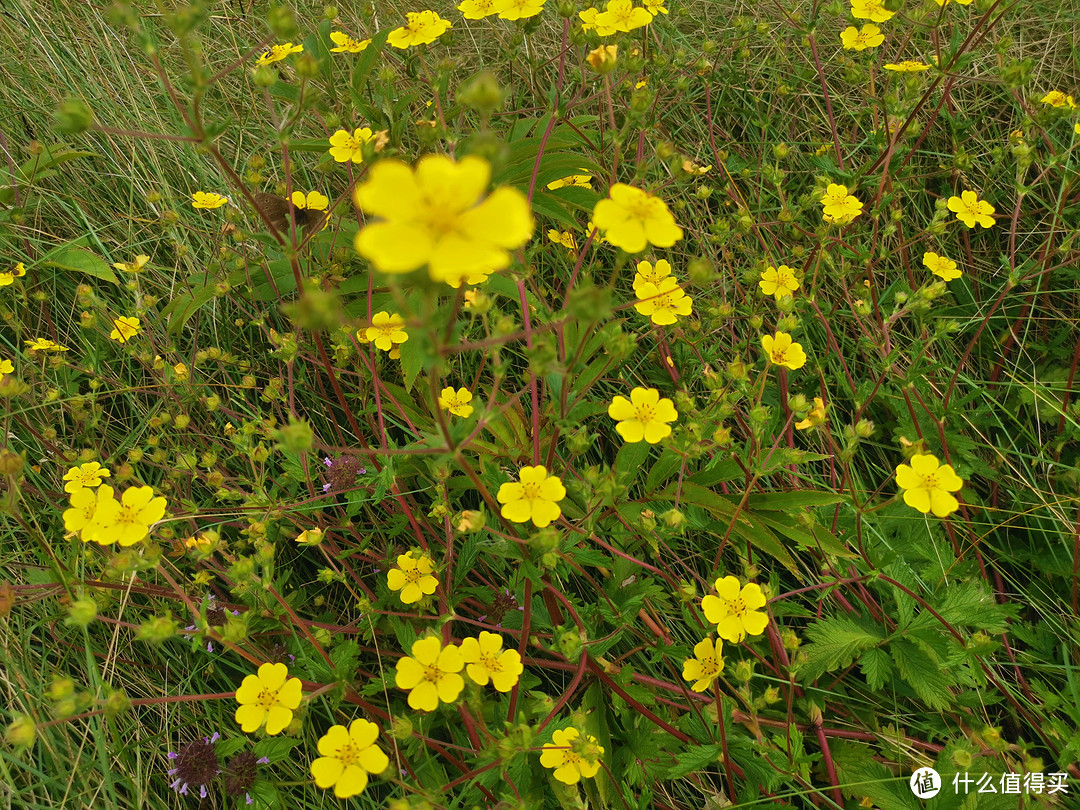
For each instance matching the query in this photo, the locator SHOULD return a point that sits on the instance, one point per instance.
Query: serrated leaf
(970, 604)
(876, 666)
(922, 673)
(693, 759)
(835, 643)
(345, 655)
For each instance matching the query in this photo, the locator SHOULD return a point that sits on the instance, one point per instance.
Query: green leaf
(862, 776)
(969, 604)
(75, 259)
(718, 471)
(663, 469)
(345, 656)
(797, 499)
(275, 748)
(743, 525)
(630, 459)
(693, 759)
(922, 673)
(877, 666)
(835, 643)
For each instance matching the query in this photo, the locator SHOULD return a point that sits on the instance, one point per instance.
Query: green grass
(897, 640)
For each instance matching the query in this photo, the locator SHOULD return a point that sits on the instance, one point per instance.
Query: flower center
(413, 575)
(126, 516)
(349, 754)
(737, 606)
(531, 490)
(779, 356)
(267, 699)
(432, 674)
(490, 663)
(930, 481)
(646, 413)
(440, 218)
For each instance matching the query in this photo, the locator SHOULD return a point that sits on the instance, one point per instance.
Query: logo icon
(925, 783)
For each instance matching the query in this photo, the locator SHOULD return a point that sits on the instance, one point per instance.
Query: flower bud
(74, 116)
(21, 732)
(602, 59)
(81, 612)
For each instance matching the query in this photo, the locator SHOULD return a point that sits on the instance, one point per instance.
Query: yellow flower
(8, 278)
(1055, 98)
(572, 756)
(655, 7)
(457, 402)
(869, 37)
(663, 303)
(839, 205)
(941, 266)
(420, 28)
(735, 613)
(202, 199)
(621, 15)
(928, 486)
(815, 417)
(84, 507)
(6, 367)
(536, 497)
(309, 537)
(269, 697)
(485, 660)
(413, 577)
(348, 756)
(581, 180)
(278, 52)
(128, 520)
(643, 416)
(603, 58)
(907, 66)
(431, 674)
(385, 331)
(478, 9)
(648, 274)
(88, 475)
(872, 10)
(946, 2)
(346, 44)
(632, 219)
(970, 210)
(690, 167)
(434, 215)
(133, 267)
(589, 21)
(566, 239)
(1076, 128)
(125, 328)
(778, 281)
(44, 345)
(599, 238)
(706, 665)
(345, 147)
(782, 351)
(519, 9)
